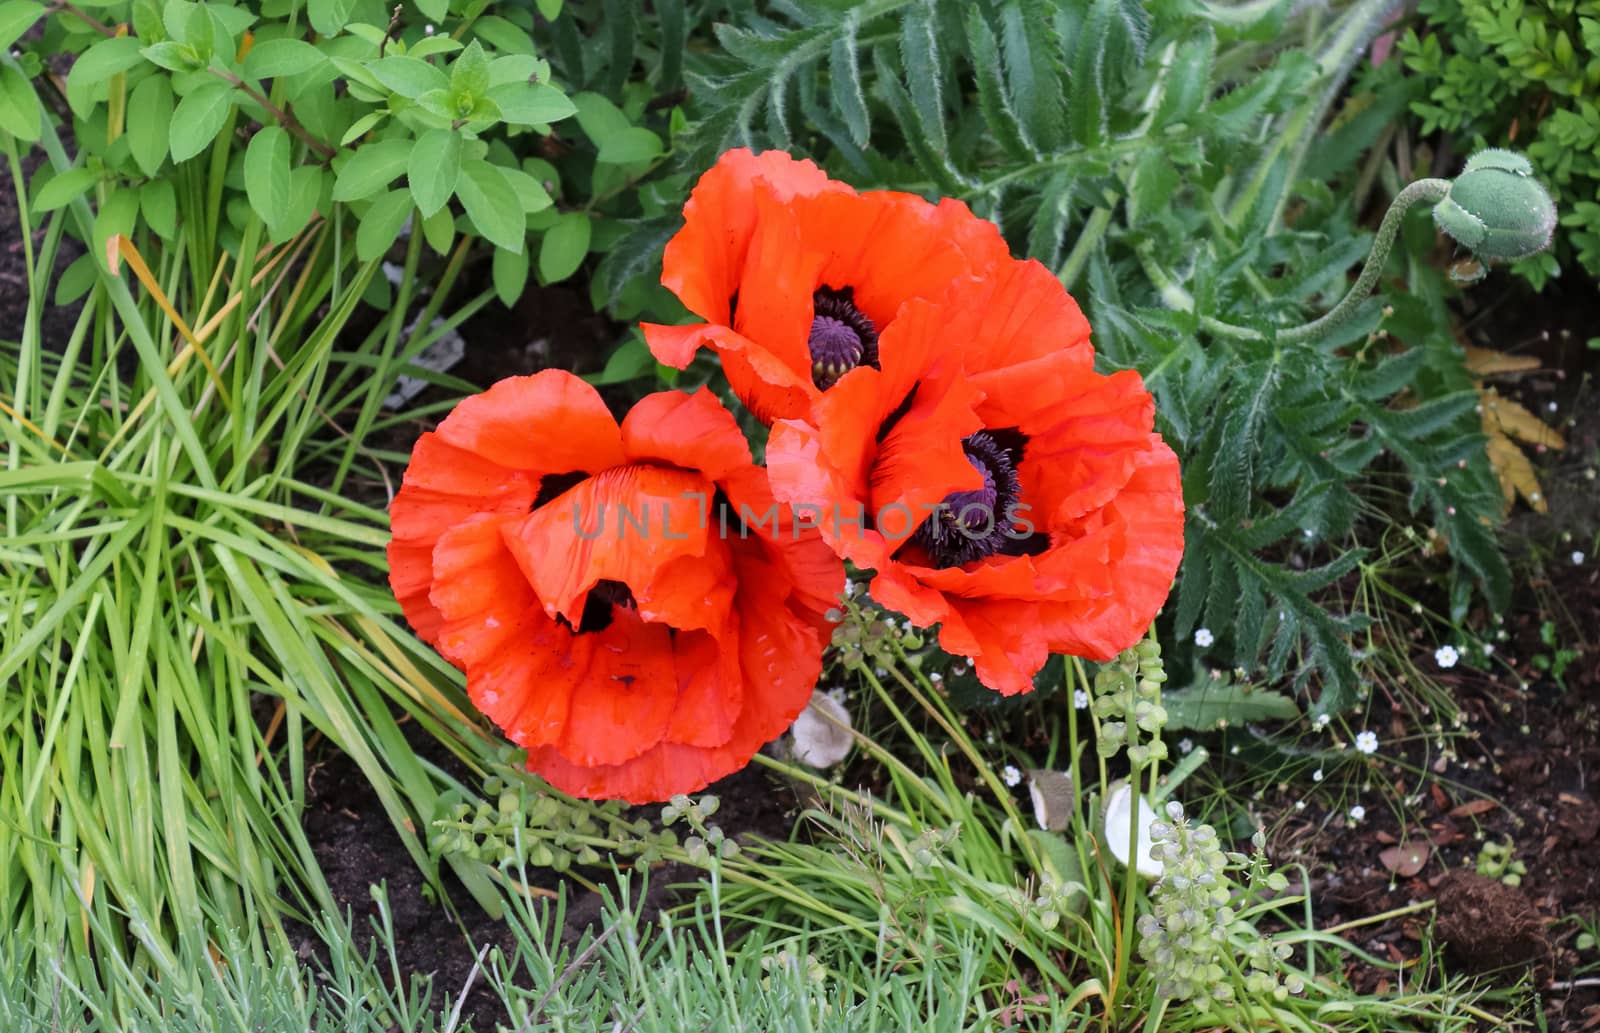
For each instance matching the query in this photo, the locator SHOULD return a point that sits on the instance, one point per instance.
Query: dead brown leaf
(1406, 859)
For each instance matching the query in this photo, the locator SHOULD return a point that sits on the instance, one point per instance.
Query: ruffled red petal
(442, 486)
(704, 261)
(550, 422)
(627, 525)
(694, 432)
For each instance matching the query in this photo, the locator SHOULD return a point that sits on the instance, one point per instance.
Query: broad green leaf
(86, 82)
(158, 202)
(492, 205)
(329, 16)
(529, 104)
(631, 145)
(630, 361)
(147, 23)
(431, 45)
(439, 230)
(277, 58)
(17, 17)
(435, 9)
(469, 73)
(266, 173)
(20, 111)
(76, 280)
(433, 169)
(117, 215)
(563, 247)
(551, 9)
(373, 167)
(502, 35)
(150, 108)
(599, 118)
(305, 191)
(531, 192)
(64, 188)
(407, 76)
(510, 275)
(516, 68)
(173, 56)
(200, 32)
(361, 126)
(198, 118)
(380, 226)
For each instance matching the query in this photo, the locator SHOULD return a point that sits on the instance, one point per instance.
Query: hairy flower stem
(1428, 191)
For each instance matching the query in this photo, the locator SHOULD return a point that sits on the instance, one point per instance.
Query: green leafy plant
(192, 115)
(1526, 75)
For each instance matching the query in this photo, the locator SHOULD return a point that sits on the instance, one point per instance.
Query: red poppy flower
(612, 610)
(997, 484)
(797, 276)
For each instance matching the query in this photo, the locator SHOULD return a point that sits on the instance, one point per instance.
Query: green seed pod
(1496, 208)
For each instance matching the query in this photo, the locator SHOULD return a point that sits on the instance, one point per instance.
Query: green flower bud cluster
(868, 638)
(1496, 208)
(551, 832)
(1495, 860)
(1193, 937)
(1128, 689)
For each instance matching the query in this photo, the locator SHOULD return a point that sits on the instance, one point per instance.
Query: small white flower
(1367, 742)
(1446, 656)
(1357, 812)
(1080, 699)
(1552, 407)
(1488, 649)
(1316, 776)
(1203, 637)
(850, 588)
(1320, 722)
(1185, 745)
(1577, 558)
(1010, 775)
(936, 677)
(427, 30)
(1299, 805)
(988, 738)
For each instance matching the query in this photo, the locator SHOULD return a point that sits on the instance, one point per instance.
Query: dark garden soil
(1528, 769)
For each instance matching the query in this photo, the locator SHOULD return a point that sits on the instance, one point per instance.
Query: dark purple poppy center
(970, 525)
(842, 337)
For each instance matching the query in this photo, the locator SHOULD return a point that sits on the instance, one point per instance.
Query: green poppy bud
(1496, 208)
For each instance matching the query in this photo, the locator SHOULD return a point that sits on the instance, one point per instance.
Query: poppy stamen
(842, 336)
(970, 525)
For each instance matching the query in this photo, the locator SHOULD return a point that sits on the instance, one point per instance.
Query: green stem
(1093, 230)
(1429, 191)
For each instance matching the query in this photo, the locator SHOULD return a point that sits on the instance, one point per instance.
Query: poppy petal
(710, 692)
(550, 422)
(703, 261)
(624, 704)
(694, 432)
(520, 664)
(623, 525)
